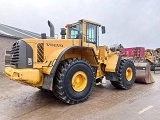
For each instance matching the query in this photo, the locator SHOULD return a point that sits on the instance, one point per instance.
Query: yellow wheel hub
(79, 81)
(129, 74)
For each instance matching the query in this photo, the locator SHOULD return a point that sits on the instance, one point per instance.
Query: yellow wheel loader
(69, 66)
(154, 58)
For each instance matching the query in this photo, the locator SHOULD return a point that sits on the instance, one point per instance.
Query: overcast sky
(129, 22)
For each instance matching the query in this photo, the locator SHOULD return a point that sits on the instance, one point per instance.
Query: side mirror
(103, 30)
(63, 31)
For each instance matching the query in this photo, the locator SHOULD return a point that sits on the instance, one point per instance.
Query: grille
(15, 54)
(40, 52)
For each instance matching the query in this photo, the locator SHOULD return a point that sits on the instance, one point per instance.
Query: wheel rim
(79, 81)
(129, 74)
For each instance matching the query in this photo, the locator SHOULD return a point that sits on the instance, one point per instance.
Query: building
(9, 35)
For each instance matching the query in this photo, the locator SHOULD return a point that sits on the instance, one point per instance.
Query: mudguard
(48, 80)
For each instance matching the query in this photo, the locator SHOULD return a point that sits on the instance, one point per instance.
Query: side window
(91, 33)
(75, 31)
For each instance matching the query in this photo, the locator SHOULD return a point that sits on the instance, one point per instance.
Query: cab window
(75, 31)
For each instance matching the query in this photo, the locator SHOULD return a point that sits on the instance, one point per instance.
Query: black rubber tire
(122, 82)
(62, 87)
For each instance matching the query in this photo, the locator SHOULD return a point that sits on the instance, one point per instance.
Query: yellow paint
(33, 77)
(51, 58)
(111, 63)
(129, 74)
(149, 55)
(100, 73)
(79, 81)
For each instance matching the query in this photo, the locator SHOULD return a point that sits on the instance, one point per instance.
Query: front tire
(126, 75)
(74, 81)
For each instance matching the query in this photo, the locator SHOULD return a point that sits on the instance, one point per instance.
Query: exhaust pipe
(51, 29)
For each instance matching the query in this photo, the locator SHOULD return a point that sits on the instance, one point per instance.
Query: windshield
(75, 31)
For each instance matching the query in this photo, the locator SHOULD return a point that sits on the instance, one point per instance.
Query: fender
(58, 60)
(113, 75)
(48, 80)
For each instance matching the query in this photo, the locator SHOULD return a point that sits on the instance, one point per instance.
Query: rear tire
(126, 75)
(74, 81)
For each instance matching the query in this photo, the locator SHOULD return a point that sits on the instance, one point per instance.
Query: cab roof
(85, 21)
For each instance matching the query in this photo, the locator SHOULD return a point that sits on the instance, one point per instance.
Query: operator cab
(85, 30)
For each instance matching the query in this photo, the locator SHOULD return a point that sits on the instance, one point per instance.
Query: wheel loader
(70, 66)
